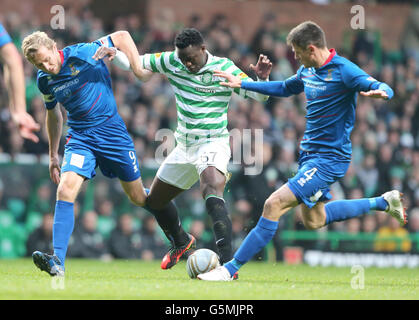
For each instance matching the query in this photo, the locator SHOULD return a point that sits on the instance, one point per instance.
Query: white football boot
(218, 274)
(395, 207)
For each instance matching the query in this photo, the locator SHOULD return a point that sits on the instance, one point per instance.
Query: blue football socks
(340, 210)
(62, 228)
(257, 239)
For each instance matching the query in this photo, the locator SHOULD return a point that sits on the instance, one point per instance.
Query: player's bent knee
(69, 186)
(66, 191)
(139, 203)
(137, 199)
(62, 193)
(272, 208)
(312, 225)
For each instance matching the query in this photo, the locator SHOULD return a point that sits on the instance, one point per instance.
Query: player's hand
(103, 52)
(263, 67)
(378, 94)
(54, 169)
(27, 126)
(232, 81)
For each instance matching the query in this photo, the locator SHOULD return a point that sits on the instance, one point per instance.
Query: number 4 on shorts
(308, 176)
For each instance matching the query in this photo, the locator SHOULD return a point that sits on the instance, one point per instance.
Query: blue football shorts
(108, 146)
(316, 172)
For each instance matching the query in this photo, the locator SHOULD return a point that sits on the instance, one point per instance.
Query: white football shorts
(184, 165)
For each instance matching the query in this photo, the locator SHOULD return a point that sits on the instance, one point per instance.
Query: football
(201, 261)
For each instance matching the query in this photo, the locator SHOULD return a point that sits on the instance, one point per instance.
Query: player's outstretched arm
(271, 88)
(357, 79)
(54, 121)
(262, 69)
(15, 83)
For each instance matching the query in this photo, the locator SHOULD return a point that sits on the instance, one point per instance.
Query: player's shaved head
(305, 34)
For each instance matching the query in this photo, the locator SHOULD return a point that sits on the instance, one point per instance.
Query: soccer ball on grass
(201, 261)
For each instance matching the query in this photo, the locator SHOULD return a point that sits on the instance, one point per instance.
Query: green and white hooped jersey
(202, 103)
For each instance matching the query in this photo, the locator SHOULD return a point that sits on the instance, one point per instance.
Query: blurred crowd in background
(385, 142)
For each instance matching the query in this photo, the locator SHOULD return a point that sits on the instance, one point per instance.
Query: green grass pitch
(91, 279)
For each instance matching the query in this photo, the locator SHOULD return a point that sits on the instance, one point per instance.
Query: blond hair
(33, 42)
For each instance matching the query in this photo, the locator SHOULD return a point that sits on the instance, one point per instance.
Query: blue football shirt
(83, 86)
(331, 92)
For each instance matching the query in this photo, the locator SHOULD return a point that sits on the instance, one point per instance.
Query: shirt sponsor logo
(311, 85)
(312, 90)
(66, 85)
(206, 90)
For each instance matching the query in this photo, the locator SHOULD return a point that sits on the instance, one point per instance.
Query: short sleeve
(153, 62)
(83, 51)
(105, 41)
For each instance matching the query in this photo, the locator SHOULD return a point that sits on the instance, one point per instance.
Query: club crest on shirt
(73, 69)
(206, 77)
(329, 75)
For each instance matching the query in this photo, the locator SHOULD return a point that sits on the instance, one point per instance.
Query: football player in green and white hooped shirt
(202, 152)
